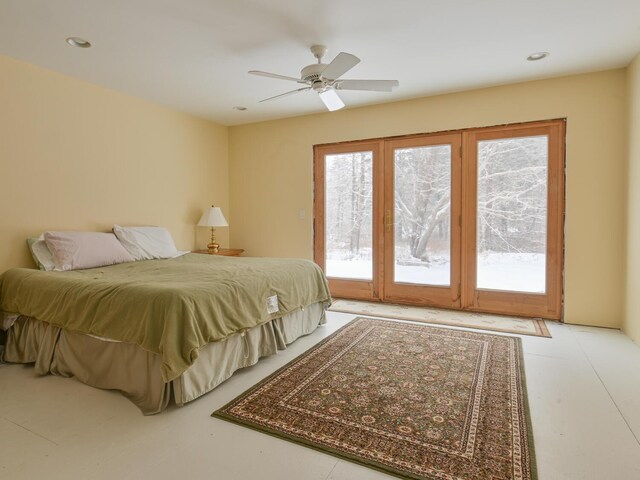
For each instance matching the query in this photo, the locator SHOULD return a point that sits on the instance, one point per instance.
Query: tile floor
(584, 392)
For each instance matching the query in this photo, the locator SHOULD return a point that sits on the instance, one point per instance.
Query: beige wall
(271, 172)
(631, 324)
(77, 156)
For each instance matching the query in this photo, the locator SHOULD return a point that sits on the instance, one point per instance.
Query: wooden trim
(467, 268)
(318, 207)
(498, 127)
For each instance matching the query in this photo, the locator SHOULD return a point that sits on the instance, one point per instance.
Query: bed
(160, 329)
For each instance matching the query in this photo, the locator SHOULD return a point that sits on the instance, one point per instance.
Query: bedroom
(140, 129)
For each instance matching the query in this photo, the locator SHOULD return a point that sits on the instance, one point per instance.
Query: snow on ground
(518, 272)
(357, 269)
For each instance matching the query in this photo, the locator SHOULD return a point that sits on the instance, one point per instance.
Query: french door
(470, 220)
(514, 211)
(348, 218)
(422, 234)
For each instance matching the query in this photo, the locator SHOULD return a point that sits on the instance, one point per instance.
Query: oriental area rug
(413, 401)
(483, 321)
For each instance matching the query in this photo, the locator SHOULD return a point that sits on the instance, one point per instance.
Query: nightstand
(227, 252)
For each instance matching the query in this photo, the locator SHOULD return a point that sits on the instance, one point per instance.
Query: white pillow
(40, 253)
(78, 250)
(145, 243)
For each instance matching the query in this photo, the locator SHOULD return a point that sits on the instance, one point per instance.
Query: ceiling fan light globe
(331, 100)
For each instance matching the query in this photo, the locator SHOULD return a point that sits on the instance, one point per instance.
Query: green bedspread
(171, 307)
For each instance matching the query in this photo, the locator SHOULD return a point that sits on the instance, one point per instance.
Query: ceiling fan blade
(331, 100)
(370, 85)
(340, 65)
(286, 94)
(274, 75)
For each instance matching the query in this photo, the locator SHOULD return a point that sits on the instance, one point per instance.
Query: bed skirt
(135, 372)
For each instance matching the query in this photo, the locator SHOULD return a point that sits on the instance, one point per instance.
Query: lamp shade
(213, 217)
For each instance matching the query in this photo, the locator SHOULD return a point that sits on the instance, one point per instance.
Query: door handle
(387, 220)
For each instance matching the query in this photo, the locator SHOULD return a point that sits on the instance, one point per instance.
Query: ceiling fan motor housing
(311, 73)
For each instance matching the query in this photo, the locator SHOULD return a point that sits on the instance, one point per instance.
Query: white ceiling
(193, 55)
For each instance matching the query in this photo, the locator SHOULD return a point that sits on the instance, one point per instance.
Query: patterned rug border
(541, 327)
(352, 458)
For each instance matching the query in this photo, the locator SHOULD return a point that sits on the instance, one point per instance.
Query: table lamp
(213, 217)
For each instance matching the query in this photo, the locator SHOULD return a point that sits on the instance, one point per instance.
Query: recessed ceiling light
(238, 107)
(537, 56)
(78, 42)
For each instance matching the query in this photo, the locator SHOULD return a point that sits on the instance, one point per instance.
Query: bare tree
(349, 195)
(422, 179)
(512, 179)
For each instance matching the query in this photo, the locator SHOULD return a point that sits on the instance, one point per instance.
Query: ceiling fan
(325, 79)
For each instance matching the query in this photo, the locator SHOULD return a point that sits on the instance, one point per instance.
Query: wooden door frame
(549, 304)
(414, 294)
(350, 288)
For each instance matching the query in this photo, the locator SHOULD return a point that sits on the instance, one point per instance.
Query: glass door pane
(349, 215)
(422, 215)
(512, 214)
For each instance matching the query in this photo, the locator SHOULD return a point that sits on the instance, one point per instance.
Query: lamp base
(213, 246)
